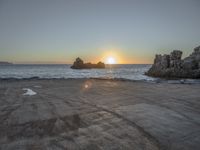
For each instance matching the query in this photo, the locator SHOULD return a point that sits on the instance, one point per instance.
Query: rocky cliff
(172, 66)
(79, 64)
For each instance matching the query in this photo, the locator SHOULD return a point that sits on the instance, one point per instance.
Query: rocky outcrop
(5, 63)
(172, 66)
(79, 64)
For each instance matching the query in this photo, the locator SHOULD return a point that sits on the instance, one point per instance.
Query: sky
(131, 31)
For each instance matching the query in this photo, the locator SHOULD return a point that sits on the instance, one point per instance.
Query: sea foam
(29, 92)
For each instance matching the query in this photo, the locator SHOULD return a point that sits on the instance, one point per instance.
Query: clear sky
(132, 31)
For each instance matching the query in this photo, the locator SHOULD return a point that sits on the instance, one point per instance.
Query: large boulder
(171, 66)
(79, 64)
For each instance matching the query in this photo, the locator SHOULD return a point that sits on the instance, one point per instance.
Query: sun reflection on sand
(86, 85)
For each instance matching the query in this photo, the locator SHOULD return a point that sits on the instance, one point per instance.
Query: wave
(156, 80)
(133, 73)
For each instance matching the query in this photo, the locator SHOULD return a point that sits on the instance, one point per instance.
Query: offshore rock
(172, 66)
(5, 63)
(79, 64)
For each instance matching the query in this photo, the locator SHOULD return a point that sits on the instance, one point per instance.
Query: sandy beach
(95, 114)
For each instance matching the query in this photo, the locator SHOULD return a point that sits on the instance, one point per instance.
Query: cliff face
(172, 66)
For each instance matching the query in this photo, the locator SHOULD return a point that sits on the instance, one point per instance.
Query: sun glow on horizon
(112, 56)
(111, 60)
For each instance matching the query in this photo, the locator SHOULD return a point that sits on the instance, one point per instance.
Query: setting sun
(110, 60)
(111, 56)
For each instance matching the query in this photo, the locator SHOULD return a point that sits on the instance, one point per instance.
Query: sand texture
(89, 114)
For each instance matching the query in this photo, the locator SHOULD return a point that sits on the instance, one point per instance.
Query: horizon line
(72, 64)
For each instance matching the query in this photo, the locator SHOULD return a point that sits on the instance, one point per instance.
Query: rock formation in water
(172, 66)
(79, 64)
(5, 63)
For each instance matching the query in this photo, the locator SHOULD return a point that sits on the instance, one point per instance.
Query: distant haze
(131, 31)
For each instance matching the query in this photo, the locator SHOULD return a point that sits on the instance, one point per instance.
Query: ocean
(135, 72)
(132, 72)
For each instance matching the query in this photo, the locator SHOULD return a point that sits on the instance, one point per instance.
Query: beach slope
(98, 114)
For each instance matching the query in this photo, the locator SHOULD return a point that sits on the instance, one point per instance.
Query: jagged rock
(79, 64)
(171, 66)
(197, 50)
(162, 61)
(193, 61)
(175, 59)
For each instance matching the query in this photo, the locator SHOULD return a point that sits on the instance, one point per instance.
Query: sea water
(135, 72)
(131, 72)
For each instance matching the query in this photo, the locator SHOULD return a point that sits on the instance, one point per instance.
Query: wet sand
(94, 114)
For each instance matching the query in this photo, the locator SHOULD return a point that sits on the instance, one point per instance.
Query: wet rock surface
(66, 114)
(172, 66)
(79, 64)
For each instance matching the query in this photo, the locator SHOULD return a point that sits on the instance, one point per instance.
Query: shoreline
(156, 80)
